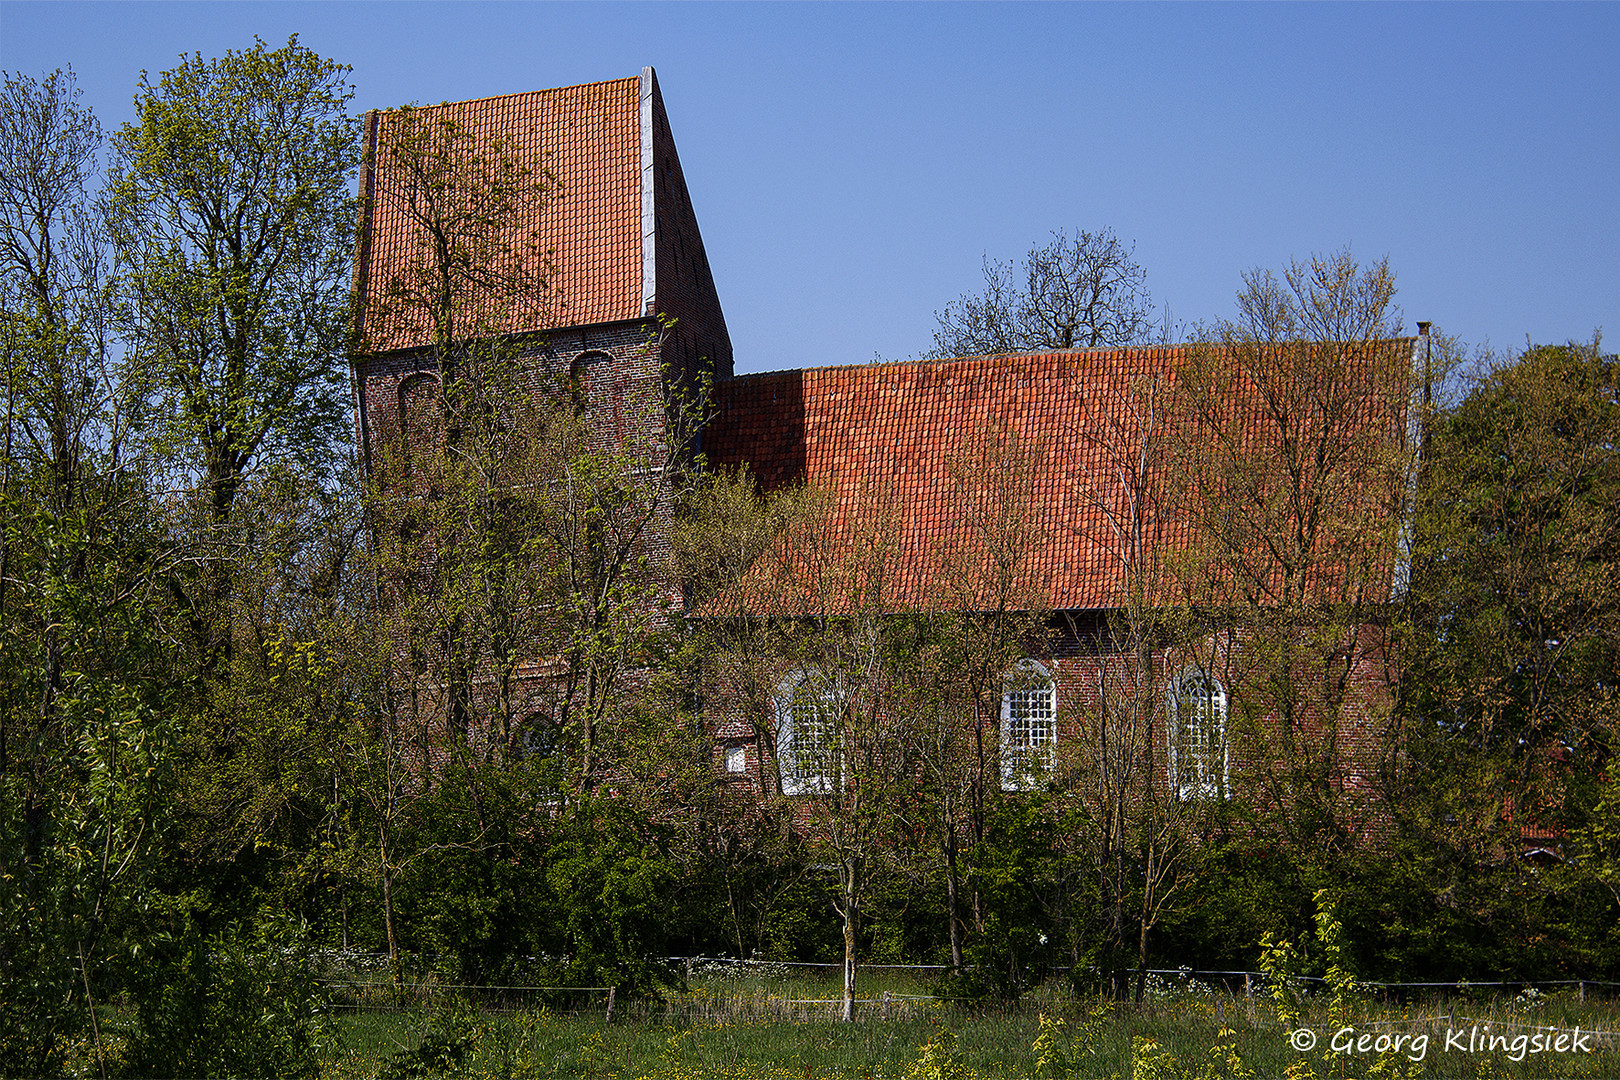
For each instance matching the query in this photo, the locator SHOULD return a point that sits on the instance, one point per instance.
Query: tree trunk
(849, 969)
(387, 873)
(1141, 957)
(852, 913)
(952, 910)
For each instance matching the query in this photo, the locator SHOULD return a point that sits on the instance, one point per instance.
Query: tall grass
(741, 1029)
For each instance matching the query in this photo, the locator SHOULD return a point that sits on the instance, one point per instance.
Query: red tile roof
(911, 452)
(589, 139)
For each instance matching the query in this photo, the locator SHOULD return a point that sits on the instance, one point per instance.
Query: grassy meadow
(762, 1028)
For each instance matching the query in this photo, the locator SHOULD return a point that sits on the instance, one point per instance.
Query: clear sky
(851, 164)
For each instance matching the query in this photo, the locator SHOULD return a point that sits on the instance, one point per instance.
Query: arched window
(1199, 750)
(539, 742)
(807, 709)
(1028, 726)
(538, 737)
(591, 374)
(421, 429)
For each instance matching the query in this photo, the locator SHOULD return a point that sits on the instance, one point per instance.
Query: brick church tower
(536, 317)
(625, 304)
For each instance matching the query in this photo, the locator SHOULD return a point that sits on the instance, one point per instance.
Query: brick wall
(1086, 669)
(684, 284)
(617, 364)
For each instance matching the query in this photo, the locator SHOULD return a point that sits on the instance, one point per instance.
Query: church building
(935, 449)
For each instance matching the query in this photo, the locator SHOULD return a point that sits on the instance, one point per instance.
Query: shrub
(937, 1059)
(449, 1040)
(232, 1004)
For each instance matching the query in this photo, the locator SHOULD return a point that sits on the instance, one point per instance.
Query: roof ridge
(982, 358)
(516, 94)
(985, 358)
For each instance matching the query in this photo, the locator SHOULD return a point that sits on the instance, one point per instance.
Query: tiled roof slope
(589, 139)
(906, 449)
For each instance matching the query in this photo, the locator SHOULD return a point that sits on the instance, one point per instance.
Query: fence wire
(362, 990)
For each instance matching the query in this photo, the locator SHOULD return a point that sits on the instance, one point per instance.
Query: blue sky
(851, 164)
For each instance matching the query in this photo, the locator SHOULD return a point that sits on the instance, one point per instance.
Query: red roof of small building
(588, 138)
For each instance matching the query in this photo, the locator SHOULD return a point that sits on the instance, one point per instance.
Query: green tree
(1293, 447)
(265, 777)
(228, 206)
(234, 1003)
(82, 665)
(1519, 542)
(81, 806)
(228, 210)
(89, 710)
(52, 254)
(60, 386)
(1509, 700)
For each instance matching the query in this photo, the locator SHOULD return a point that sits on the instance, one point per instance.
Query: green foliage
(228, 205)
(1283, 961)
(62, 422)
(235, 1003)
(81, 799)
(451, 1037)
(937, 1059)
(615, 886)
(264, 784)
(1280, 963)
(478, 899)
(1150, 1060)
(1596, 844)
(799, 925)
(1329, 952)
(1011, 950)
(1517, 602)
(1509, 709)
(1062, 1048)
(85, 667)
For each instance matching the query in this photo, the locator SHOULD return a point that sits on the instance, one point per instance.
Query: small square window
(736, 759)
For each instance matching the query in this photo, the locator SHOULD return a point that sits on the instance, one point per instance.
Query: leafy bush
(613, 883)
(230, 1004)
(451, 1036)
(1150, 1060)
(937, 1059)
